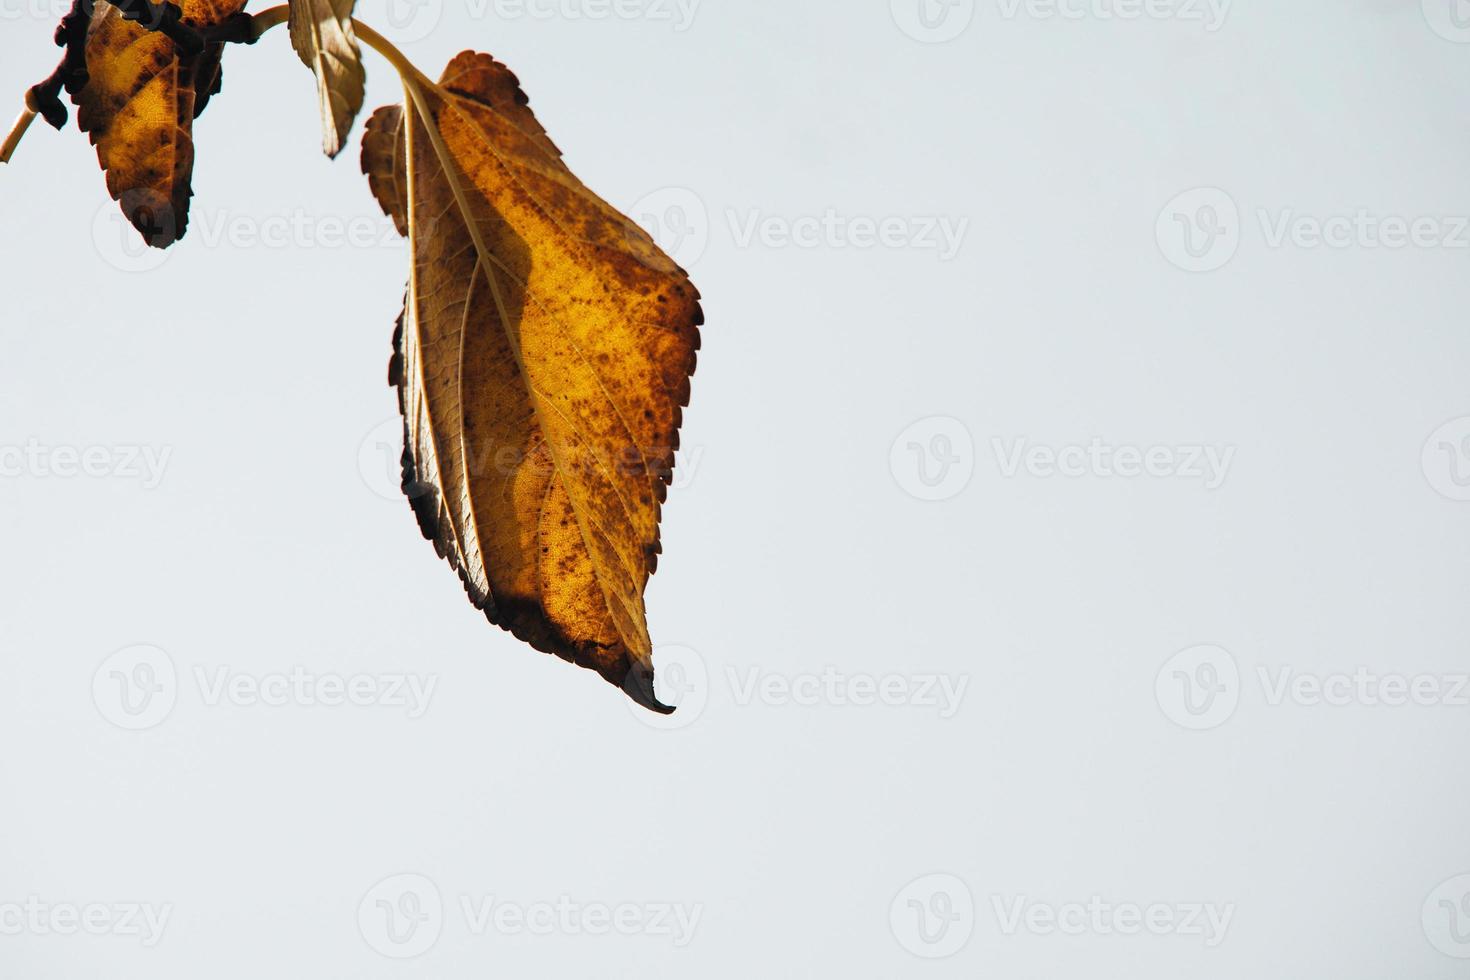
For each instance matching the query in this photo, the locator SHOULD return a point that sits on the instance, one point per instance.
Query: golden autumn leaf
(542, 362)
(322, 34)
(138, 106)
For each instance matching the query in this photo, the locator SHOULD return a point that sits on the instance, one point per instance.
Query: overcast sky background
(1066, 574)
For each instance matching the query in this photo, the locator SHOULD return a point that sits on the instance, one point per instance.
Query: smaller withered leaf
(321, 33)
(138, 107)
(383, 160)
(542, 362)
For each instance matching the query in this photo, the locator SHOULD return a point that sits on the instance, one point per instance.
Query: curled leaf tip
(638, 685)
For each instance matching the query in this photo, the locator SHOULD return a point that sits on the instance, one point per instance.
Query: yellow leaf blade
(543, 364)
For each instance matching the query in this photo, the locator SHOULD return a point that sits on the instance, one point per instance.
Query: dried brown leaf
(542, 363)
(138, 106)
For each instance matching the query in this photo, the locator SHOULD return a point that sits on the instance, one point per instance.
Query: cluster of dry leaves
(543, 356)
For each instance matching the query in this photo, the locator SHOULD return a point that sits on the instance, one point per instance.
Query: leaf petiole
(266, 19)
(272, 16)
(405, 68)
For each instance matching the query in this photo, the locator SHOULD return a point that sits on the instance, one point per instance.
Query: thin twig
(272, 16)
(17, 131)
